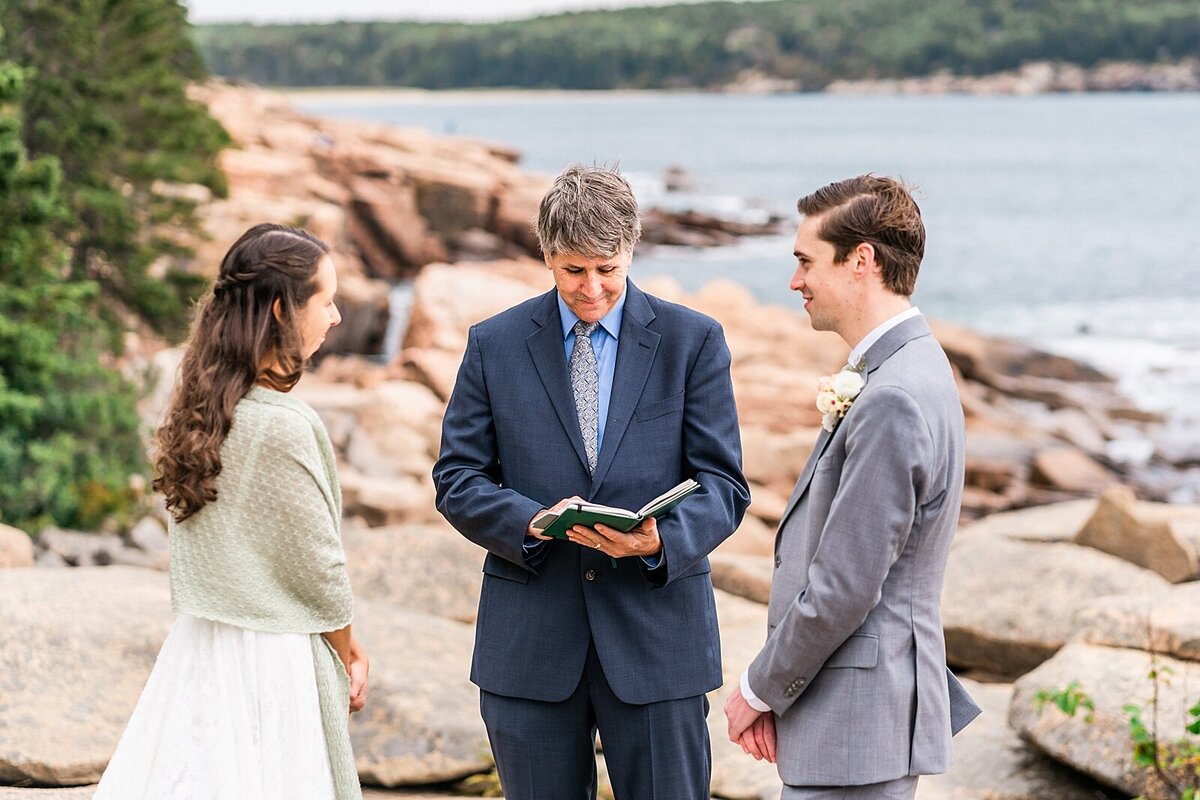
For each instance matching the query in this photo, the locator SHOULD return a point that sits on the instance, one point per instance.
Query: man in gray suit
(850, 695)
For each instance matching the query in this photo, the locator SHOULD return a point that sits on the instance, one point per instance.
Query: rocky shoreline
(1059, 572)
(1040, 77)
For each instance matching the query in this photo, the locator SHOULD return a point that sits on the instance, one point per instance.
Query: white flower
(847, 384)
(835, 395)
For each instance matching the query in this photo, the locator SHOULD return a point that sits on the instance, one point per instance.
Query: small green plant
(1175, 764)
(1068, 700)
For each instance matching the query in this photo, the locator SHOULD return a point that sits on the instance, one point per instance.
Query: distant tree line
(709, 44)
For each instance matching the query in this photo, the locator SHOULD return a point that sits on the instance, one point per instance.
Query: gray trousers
(900, 789)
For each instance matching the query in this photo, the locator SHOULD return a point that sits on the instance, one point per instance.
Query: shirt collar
(611, 322)
(875, 335)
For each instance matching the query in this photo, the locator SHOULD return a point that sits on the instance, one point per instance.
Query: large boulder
(1097, 740)
(767, 504)
(1071, 470)
(752, 538)
(336, 403)
(421, 723)
(81, 549)
(384, 220)
(448, 300)
(1008, 605)
(517, 209)
(77, 648)
(363, 303)
(388, 501)
(743, 575)
(1167, 622)
(1057, 522)
(992, 763)
(1157, 536)
(428, 568)
(16, 548)
(776, 459)
(437, 369)
(397, 431)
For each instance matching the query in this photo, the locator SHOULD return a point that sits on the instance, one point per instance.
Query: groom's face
(824, 283)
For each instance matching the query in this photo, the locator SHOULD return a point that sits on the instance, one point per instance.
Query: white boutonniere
(835, 395)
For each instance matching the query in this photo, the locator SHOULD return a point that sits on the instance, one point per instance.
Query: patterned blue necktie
(585, 385)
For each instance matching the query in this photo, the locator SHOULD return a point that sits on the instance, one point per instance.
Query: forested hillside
(710, 44)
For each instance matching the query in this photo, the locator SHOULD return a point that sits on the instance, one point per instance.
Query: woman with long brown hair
(250, 693)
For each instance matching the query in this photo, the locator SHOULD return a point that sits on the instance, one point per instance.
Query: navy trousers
(546, 751)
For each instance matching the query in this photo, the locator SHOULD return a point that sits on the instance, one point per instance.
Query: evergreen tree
(110, 103)
(68, 428)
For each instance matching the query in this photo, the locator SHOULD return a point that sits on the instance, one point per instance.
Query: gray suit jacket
(855, 663)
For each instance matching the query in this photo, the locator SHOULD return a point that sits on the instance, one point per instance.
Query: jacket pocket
(499, 568)
(860, 651)
(659, 408)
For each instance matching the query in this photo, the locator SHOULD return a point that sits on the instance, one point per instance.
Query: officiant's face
(590, 285)
(826, 285)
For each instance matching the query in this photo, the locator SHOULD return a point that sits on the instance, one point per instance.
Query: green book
(557, 524)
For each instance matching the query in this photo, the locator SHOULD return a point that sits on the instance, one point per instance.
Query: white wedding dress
(227, 714)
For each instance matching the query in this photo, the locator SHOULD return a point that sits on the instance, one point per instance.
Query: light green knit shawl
(267, 553)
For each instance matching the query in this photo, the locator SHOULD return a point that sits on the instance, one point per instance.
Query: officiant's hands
(358, 667)
(557, 508)
(640, 541)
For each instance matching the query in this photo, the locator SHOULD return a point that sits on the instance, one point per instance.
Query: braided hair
(245, 332)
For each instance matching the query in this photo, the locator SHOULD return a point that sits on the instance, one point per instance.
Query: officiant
(597, 391)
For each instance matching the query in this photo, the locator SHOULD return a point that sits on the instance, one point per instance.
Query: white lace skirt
(227, 713)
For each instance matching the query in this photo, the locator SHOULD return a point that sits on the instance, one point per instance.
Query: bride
(250, 693)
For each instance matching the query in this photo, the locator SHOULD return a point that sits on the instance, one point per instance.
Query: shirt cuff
(531, 544)
(653, 562)
(750, 696)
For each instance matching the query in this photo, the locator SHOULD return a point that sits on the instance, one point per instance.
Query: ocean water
(1068, 221)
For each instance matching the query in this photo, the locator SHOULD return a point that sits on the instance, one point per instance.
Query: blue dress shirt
(605, 340)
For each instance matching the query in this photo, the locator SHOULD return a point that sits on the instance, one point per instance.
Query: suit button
(590, 575)
(790, 692)
(778, 562)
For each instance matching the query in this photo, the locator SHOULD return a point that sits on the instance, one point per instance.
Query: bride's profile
(250, 695)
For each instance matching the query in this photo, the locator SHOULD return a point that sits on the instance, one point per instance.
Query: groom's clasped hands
(752, 729)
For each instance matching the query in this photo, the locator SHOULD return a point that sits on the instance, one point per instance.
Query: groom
(850, 695)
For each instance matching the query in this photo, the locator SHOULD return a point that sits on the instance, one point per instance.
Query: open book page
(668, 499)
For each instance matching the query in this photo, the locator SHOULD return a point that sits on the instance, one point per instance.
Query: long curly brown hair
(245, 332)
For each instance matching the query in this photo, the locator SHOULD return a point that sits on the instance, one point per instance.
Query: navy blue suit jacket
(511, 446)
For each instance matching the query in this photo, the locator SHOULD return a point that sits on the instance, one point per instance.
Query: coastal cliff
(1054, 564)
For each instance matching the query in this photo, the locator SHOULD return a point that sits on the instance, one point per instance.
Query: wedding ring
(596, 545)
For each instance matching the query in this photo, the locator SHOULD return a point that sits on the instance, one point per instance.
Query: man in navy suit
(594, 390)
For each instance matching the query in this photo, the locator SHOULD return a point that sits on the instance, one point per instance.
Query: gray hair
(589, 211)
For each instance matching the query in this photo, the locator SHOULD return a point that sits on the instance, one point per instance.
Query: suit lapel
(806, 475)
(636, 348)
(546, 349)
(881, 351)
